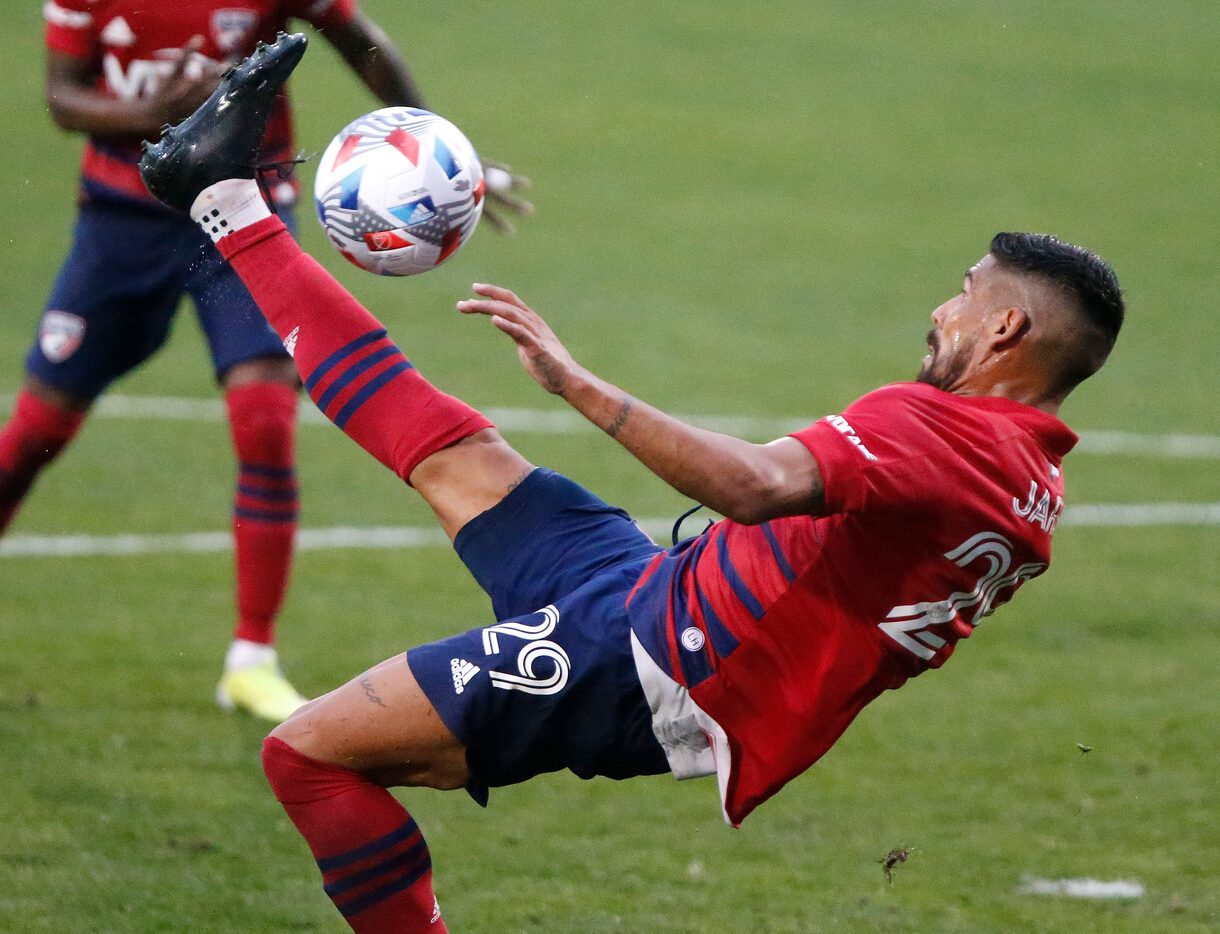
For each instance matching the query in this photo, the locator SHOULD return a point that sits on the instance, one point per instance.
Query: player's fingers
(498, 293)
(510, 202)
(517, 332)
(498, 223)
(500, 178)
(492, 308)
(193, 45)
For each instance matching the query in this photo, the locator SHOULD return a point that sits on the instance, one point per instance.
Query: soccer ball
(399, 190)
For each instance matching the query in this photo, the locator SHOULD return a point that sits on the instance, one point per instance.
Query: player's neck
(1022, 390)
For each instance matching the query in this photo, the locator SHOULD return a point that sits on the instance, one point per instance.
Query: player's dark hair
(1084, 276)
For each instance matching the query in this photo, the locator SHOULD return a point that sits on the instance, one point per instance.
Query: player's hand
(541, 353)
(502, 189)
(188, 85)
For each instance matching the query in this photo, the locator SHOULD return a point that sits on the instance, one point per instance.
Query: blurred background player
(117, 71)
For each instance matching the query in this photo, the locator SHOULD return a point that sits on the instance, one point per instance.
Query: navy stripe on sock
(259, 515)
(380, 845)
(739, 586)
(411, 858)
(326, 365)
(357, 905)
(352, 372)
(344, 414)
(272, 495)
(271, 473)
(778, 553)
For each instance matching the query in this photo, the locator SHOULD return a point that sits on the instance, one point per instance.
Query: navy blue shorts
(114, 300)
(553, 685)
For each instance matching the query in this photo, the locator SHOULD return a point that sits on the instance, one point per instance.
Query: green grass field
(742, 210)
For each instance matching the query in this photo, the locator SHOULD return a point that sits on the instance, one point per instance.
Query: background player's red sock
(262, 420)
(375, 864)
(34, 434)
(351, 369)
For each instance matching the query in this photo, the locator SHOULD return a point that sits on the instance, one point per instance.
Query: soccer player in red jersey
(855, 553)
(117, 70)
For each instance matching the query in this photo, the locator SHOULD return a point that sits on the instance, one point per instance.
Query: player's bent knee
(468, 478)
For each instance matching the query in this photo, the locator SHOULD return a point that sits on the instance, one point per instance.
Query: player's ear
(1008, 326)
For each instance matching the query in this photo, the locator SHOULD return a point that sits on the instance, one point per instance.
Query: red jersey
(134, 45)
(939, 507)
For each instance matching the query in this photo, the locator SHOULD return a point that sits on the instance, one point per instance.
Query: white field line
(1081, 888)
(400, 537)
(563, 422)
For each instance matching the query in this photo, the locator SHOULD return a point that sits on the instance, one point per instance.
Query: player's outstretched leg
(352, 370)
(223, 137)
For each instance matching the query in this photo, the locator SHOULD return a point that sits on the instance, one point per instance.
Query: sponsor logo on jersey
(118, 33)
(232, 28)
(60, 335)
(463, 671)
(842, 426)
(143, 77)
(290, 342)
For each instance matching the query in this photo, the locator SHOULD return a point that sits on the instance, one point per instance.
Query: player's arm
(372, 55)
(76, 104)
(746, 482)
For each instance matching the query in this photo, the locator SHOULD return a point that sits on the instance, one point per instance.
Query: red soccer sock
(35, 433)
(262, 420)
(375, 864)
(357, 376)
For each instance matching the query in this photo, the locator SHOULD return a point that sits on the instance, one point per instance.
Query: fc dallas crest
(60, 335)
(232, 29)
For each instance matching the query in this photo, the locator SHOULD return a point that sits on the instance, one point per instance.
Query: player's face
(957, 324)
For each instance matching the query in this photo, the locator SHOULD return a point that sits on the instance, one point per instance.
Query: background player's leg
(42, 423)
(109, 309)
(261, 401)
(260, 386)
(329, 766)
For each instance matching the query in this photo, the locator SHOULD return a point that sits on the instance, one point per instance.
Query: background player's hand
(541, 353)
(188, 85)
(502, 186)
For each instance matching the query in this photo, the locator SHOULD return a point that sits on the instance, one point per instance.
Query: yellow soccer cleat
(261, 690)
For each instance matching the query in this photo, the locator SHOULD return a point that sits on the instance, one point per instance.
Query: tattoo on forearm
(621, 419)
(367, 684)
(552, 376)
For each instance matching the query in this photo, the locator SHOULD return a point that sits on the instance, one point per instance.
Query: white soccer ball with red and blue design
(399, 190)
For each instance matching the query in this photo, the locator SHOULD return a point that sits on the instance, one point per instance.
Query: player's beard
(943, 370)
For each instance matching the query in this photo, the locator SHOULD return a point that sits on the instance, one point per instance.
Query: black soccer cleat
(222, 138)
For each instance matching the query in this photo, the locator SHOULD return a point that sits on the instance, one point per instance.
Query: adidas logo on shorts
(463, 671)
